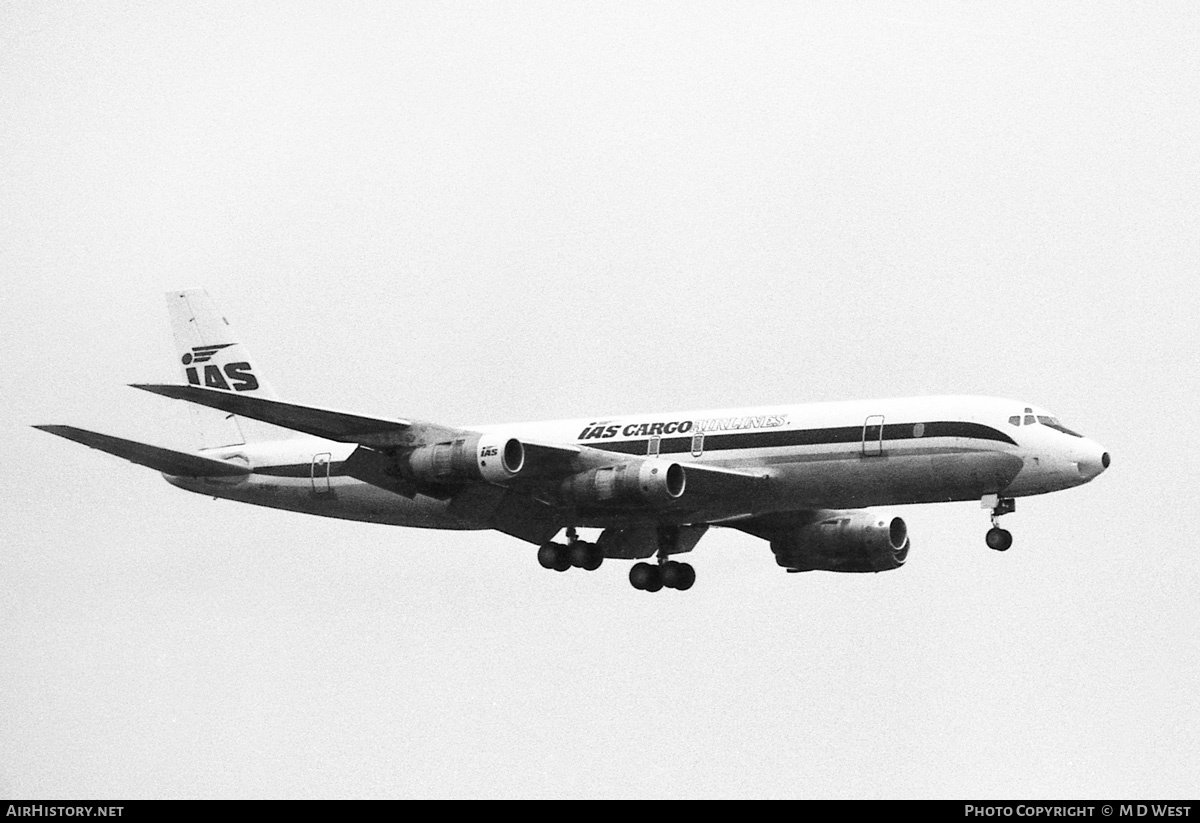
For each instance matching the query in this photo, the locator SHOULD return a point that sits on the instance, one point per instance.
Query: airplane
(800, 477)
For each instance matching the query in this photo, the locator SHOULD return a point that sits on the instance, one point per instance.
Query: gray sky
(483, 212)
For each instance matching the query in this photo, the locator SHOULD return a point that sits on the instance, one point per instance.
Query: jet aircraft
(799, 477)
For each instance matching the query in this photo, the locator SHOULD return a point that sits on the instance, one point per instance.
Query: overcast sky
(480, 212)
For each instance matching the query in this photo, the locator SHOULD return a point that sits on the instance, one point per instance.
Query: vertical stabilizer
(212, 356)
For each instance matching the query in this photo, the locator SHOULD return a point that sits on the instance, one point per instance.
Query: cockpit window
(1015, 420)
(1029, 419)
(1053, 423)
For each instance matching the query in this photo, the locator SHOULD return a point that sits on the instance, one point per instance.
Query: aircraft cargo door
(872, 436)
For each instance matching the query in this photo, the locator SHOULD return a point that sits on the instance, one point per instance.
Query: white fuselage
(818, 456)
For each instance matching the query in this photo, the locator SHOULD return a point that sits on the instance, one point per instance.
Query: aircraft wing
(180, 464)
(547, 463)
(327, 423)
(554, 460)
(346, 427)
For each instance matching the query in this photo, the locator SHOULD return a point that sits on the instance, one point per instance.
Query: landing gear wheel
(554, 556)
(646, 577)
(578, 553)
(586, 556)
(594, 559)
(999, 539)
(689, 578)
(678, 576)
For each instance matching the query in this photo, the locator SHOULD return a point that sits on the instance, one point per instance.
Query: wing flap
(179, 464)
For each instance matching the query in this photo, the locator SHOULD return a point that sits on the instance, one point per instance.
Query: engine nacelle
(647, 481)
(849, 541)
(493, 458)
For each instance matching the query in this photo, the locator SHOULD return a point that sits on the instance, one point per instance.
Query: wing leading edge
(547, 463)
(330, 424)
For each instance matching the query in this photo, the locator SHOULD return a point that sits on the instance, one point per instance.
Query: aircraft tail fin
(211, 355)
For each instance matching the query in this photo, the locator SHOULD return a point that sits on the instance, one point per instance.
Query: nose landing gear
(998, 538)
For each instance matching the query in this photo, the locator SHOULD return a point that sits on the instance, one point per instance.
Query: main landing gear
(671, 574)
(649, 577)
(998, 538)
(577, 553)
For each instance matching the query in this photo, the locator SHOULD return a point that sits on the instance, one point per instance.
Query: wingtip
(156, 388)
(57, 429)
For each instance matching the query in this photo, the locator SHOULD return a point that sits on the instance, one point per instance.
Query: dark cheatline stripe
(976, 431)
(298, 470)
(717, 441)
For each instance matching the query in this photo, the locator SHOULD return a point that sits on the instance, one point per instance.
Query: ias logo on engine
(234, 376)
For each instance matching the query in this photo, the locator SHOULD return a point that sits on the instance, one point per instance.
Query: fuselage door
(653, 445)
(872, 437)
(697, 444)
(320, 473)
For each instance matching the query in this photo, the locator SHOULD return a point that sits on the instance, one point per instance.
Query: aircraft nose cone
(1093, 464)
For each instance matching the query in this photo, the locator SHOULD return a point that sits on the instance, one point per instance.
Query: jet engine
(647, 481)
(844, 541)
(489, 457)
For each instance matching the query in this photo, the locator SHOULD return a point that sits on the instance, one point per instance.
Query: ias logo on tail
(237, 374)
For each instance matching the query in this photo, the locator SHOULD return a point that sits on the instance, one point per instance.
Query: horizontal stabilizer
(179, 464)
(327, 423)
